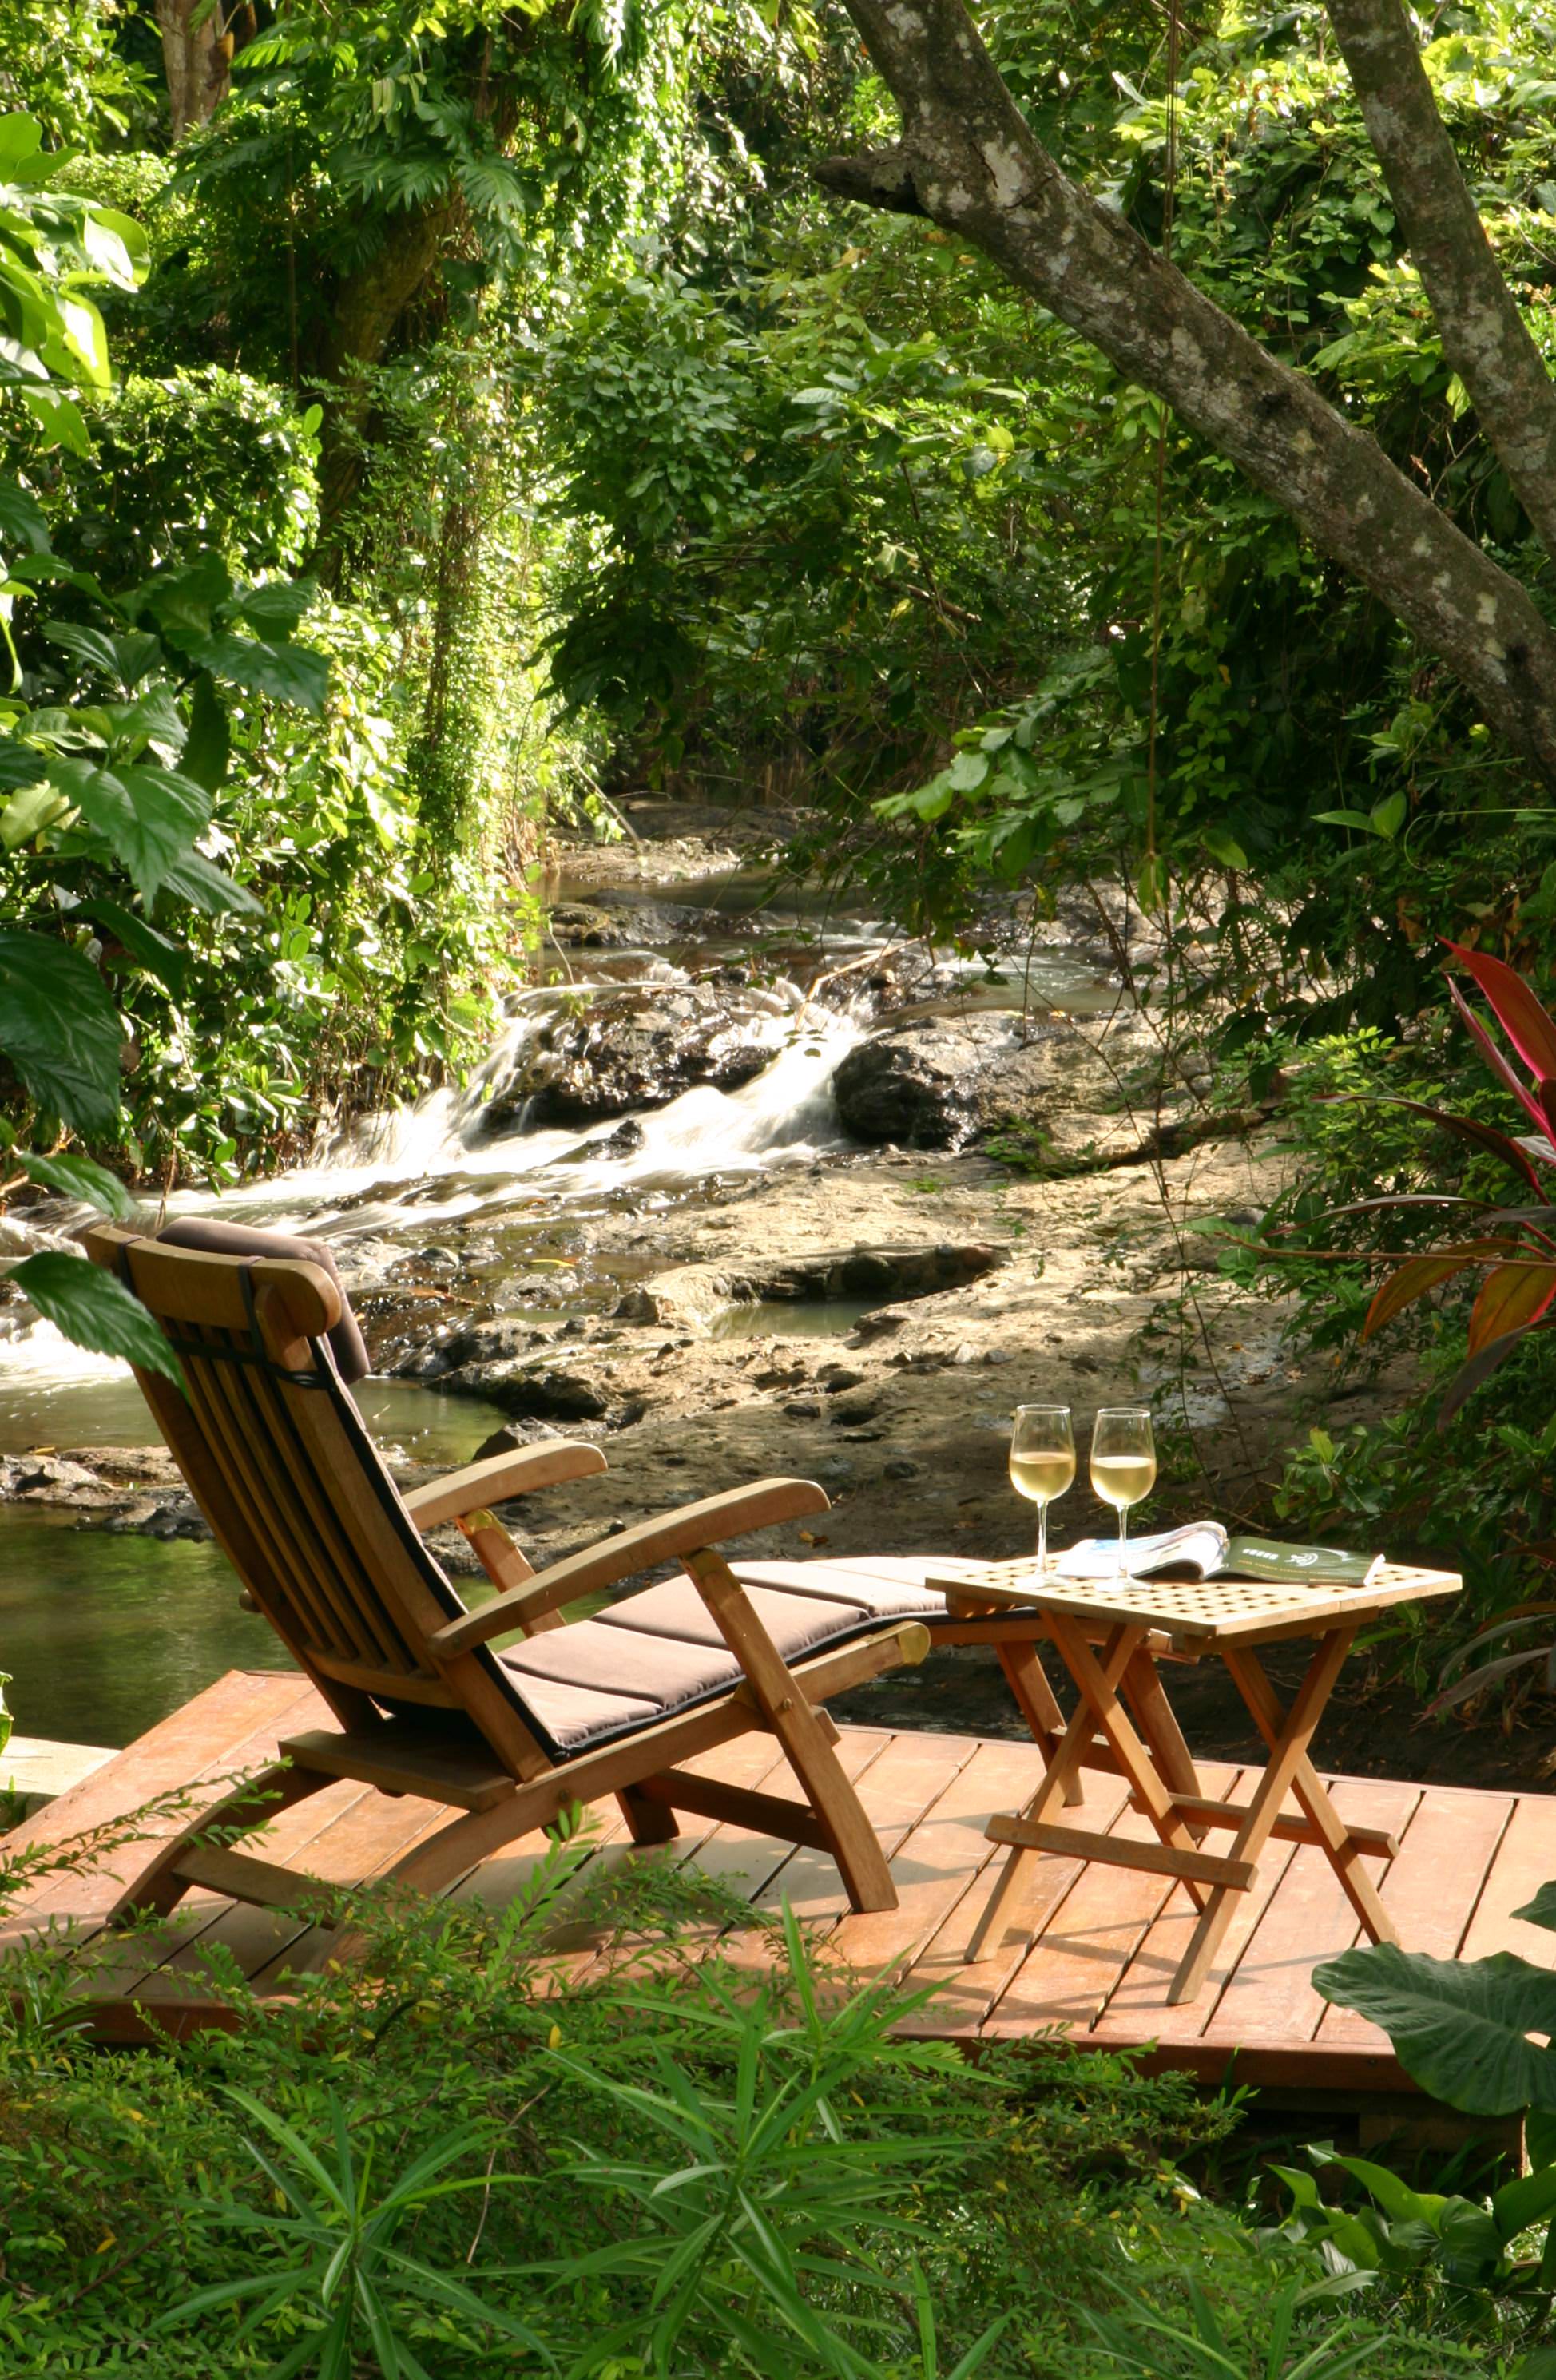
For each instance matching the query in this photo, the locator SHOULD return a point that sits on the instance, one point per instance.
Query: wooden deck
(1107, 1938)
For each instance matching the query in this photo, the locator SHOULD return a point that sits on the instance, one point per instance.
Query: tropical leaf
(74, 1176)
(287, 673)
(60, 1031)
(1528, 1025)
(1511, 1298)
(166, 959)
(208, 888)
(90, 1306)
(1494, 1058)
(1459, 2026)
(1421, 1273)
(1479, 1368)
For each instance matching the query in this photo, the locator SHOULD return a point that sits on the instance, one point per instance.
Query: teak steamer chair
(332, 1554)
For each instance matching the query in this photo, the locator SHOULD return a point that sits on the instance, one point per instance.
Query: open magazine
(1204, 1550)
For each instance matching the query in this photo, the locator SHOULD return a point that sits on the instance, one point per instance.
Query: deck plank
(1269, 1997)
(1434, 1888)
(1525, 1859)
(965, 1995)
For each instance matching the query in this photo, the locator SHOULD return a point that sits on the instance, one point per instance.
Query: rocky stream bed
(732, 1274)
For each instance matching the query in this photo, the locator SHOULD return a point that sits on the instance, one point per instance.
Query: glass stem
(1042, 1537)
(1123, 1541)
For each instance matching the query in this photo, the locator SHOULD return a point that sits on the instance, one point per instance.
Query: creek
(105, 1632)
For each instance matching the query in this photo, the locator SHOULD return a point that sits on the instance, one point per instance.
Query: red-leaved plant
(1515, 1243)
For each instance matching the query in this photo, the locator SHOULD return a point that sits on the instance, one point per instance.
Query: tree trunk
(197, 59)
(367, 307)
(968, 160)
(1484, 335)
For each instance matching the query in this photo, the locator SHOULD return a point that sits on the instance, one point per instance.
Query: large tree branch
(968, 159)
(1484, 335)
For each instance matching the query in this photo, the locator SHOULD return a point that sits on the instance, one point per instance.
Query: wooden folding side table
(1102, 1631)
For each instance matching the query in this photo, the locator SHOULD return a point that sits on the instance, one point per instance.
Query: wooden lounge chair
(424, 1699)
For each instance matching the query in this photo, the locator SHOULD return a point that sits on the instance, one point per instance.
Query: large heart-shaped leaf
(21, 520)
(204, 886)
(275, 610)
(287, 673)
(93, 646)
(1460, 2027)
(90, 1306)
(148, 816)
(60, 1031)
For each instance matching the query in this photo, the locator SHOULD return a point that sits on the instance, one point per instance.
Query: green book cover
(1261, 1558)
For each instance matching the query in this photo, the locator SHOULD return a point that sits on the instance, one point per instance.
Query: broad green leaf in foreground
(1460, 2027)
(60, 1031)
(79, 1177)
(90, 1306)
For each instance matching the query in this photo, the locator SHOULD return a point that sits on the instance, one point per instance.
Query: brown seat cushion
(209, 1236)
(661, 1648)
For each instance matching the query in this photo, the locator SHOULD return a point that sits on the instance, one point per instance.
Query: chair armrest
(687, 1531)
(500, 1477)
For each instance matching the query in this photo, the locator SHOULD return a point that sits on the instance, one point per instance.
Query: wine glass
(1042, 1462)
(1122, 1465)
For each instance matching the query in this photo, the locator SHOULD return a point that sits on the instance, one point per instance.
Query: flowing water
(105, 1633)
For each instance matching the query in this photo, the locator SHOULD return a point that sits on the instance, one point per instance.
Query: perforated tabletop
(1202, 1612)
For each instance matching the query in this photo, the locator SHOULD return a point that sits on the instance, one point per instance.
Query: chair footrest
(1119, 1850)
(258, 1882)
(403, 1763)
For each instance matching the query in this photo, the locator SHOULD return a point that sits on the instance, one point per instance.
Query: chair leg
(647, 1822)
(800, 1728)
(159, 1888)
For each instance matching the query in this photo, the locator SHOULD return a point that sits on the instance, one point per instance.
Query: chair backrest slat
(278, 1456)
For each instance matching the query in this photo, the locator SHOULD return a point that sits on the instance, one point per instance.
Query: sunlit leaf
(1460, 2027)
(90, 1306)
(74, 1176)
(1511, 1297)
(1414, 1278)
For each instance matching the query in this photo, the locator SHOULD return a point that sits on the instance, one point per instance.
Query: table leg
(1027, 1680)
(1061, 1774)
(1288, 1750)
(1339, 1848)
(1158, 1723)
(1100, 1699)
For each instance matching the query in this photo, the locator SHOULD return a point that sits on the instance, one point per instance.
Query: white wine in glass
(1042, 1462)
(1122, 1465)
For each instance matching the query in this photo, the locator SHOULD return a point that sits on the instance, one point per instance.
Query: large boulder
(635, 1049)
(939, 1082)
(918, 1085)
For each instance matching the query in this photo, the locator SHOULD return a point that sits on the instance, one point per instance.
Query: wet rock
(531, 1395)
(917, 1085)
(632, 1050)
(584, 927)
(496, 1340)
(695, 1294)
(51, 1479)
(171, 1518)
(511, 1436)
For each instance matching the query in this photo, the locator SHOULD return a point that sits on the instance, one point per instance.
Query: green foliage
(429, 2162)
(1401, 2230)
